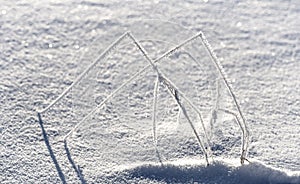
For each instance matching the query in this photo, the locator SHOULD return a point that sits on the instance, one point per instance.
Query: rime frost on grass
(187, 109)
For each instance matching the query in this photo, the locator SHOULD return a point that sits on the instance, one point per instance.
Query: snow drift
(191, 171)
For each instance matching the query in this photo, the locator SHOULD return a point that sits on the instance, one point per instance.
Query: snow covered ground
(41, 43)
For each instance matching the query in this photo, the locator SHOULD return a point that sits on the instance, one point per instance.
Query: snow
(42, 44)
(192, 171)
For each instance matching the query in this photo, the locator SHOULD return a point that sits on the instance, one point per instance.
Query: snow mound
(219, 172)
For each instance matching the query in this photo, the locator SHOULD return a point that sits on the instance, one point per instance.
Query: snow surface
(41, 44)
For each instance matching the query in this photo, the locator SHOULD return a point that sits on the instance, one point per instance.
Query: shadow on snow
(57, 166)
(219, 172)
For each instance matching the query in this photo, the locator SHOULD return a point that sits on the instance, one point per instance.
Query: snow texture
(46, 45)
(220, 172)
